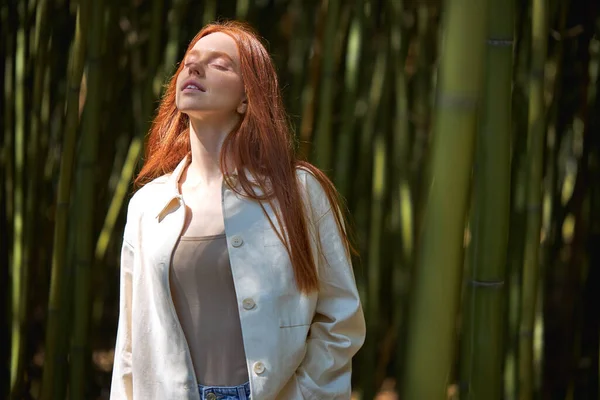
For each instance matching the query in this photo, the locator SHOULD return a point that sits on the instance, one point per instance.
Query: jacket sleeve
(338, 328)
(122, 378)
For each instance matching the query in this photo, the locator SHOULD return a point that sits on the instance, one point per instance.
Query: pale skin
(210, 91)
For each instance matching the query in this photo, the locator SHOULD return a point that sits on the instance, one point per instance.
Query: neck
(206, 141)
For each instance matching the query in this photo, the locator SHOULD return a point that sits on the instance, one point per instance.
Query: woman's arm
(338, 329)
(122, 376)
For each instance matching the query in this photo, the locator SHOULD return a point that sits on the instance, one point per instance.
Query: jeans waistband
(241, 392)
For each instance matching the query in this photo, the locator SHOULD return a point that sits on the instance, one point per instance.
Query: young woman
(236, 280)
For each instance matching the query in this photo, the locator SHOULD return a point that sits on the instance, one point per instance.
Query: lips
(192, 85)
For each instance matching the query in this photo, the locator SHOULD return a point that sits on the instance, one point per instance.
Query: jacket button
(236, 241)
(248, 304)
(259, 368)
(211, 396)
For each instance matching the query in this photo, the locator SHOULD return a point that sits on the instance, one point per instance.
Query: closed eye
(219, 67)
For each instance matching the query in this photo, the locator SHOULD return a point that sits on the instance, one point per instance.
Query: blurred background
(464, 135)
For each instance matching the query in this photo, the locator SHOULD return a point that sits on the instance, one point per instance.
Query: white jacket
(297, 346)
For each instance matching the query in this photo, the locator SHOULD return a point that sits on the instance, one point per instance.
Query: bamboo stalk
(348, 131)
(56, 336)
(9, 109)
(7, 54)
(323, 140)
(422, 89)
(535, 152)
(299, 42)
(86, 194)
(369, 290)
(516, 241)
(172, 50)
(311, 84)
(210, 11)
(144, 112)
(241, 9)
(402, 217)
(560, 282)
(587, 385)
(379, 267)
(154, 52)
(431, 332)
(483, 334)
(31, 247)
(19, 274)
(32, 237)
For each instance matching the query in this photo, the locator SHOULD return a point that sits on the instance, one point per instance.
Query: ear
(241, 109)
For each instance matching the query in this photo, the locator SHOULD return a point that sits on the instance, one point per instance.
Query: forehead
(218, 41)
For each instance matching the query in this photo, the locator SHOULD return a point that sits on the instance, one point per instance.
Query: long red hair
(262, 144)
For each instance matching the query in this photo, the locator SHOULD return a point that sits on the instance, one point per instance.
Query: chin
(188, 108)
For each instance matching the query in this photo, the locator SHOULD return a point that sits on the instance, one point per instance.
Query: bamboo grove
(463, 134)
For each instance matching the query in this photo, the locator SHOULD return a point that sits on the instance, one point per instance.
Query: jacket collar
(172, 184)
(172, 187)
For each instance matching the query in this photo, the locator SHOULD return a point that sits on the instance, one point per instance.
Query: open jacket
(297, 346)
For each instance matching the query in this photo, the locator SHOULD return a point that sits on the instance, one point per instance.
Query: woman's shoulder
(148, 193)
(312, 183)
(306, 175)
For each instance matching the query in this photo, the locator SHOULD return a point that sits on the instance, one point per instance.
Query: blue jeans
(241, 392)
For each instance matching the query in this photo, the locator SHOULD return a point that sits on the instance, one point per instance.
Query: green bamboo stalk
(587, 386)
(40, 71)
(32, 238)
(312, 82)
(241, 9)
(403, 221)
(210, 11)
(367, 133)
(144, 113)
(18, 268)
(535, 152)
(343, 179)
(86, 194)
(172, 50)
(402, 217)
(423, 83)
(370, 292)
(323, 140)
(431, 332)
(516, 241)
(299, 43)
(9, 109)
(56, 335)
(143, 100)
(31, 245)
(154, 52)
(5, 221)
(483, 345)
(379, 256)
(558, 299)
(379, 192)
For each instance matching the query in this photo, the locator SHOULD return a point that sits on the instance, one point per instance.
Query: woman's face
(210, 82)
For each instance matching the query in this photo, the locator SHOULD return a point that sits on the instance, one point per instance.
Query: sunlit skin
(210, 90)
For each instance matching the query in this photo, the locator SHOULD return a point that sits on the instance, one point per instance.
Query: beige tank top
(206, 304)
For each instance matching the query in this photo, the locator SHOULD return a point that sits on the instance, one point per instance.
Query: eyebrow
(211, 52)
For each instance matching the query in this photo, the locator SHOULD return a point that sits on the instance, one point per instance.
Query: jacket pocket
(295, 311)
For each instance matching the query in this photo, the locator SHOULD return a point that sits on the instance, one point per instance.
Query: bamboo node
(457, 101)
(500, 42)
(492, 284)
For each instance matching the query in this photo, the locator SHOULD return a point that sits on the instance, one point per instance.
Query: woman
(217, 300)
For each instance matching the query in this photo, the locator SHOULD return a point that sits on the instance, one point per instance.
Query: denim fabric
(241, 392)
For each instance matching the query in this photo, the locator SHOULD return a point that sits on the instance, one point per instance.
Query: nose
(196, 68)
